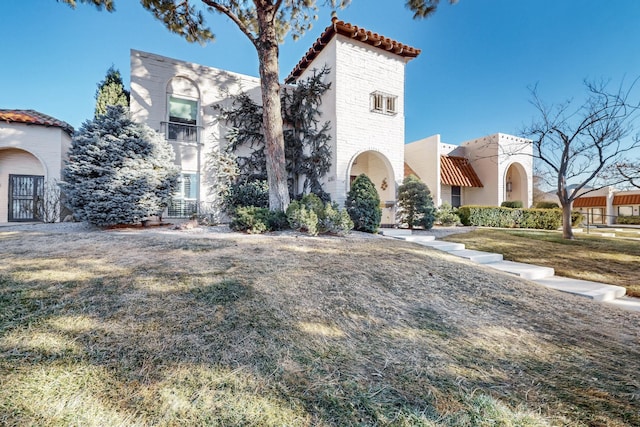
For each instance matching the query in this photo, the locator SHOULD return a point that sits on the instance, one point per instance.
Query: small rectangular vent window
(384, 103)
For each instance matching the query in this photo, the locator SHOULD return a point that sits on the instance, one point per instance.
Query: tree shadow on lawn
(157, 344)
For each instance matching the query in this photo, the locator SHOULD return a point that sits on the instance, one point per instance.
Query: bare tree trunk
(267, 47)
(567, 231)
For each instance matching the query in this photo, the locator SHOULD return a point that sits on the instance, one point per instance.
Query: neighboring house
(603, 206)
(33, 147)
(365, 109)
(483, 171)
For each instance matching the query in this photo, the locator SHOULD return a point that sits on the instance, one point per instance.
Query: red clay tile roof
(589, 202)
(408, 171)
(32, 117)
(627, 199)
(458, 171)
(355, 32)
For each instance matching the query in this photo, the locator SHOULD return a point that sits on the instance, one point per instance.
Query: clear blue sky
(478, 57)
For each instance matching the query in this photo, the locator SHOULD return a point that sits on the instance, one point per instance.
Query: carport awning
(457, 171)
(590, 202)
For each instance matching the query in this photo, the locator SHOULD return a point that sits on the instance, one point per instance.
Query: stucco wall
(361, 70)
(151, 77)
(423, 157)
(30, 150)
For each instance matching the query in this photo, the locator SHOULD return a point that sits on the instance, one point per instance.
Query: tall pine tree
(111, 91)
(119, 171)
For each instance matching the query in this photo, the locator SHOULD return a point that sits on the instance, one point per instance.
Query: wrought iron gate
(25, 197)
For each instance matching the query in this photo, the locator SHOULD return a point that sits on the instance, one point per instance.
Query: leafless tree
(576, 145)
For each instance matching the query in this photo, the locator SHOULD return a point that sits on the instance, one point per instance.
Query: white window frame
(191, 129)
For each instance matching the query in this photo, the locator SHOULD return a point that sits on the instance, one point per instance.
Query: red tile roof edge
(408, 170)
(587, 202)
(355, 32)
(33, 117)
(458, 171)
(627, 199)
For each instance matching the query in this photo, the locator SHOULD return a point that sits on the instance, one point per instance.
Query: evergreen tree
(119, 171)
(111, 91)
(308, 154)
(415, 203)
(363, 205)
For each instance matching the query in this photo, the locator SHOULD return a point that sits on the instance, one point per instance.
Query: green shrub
(635, 219)
(492, 216)
(415, 205)
(513, 204)
(302, 219)
(547, 205)
(363, 205)
(336, 220)
(252, 219)
(251, 193)
(313, 216)
(447, 215)
(256, 220)
(576, 218)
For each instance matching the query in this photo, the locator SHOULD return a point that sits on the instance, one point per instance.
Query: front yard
(142, 328)
(611, 260)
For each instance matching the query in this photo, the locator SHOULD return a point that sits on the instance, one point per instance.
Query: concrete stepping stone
(478, 257)
(526, 271)
(417, 239)
(440, 244)
(395, 232)
(594, 290)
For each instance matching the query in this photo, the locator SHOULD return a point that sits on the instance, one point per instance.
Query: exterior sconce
(509, 186)
(384, 184)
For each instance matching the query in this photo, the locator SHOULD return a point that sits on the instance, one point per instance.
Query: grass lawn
(590, 256)
(140, 329)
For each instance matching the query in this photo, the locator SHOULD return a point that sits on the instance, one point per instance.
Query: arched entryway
(516, 185)
(378, 168)
(22, 178)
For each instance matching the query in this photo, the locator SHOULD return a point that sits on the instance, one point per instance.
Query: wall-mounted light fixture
(509, 186)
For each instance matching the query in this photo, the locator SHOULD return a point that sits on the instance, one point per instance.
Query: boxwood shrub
(635, 219)
(493, 216)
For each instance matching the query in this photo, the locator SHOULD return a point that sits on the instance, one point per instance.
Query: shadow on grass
(243, 341)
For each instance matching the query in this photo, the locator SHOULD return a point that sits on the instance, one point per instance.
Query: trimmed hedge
(547, 205)
(515, 204)
(635, 220)
(493, 216)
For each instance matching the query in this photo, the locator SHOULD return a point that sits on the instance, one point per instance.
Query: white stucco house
(365, 107)
(33, 147)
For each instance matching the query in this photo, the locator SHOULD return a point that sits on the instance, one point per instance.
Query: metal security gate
(25, 197)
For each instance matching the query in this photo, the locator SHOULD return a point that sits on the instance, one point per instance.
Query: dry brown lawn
(612, 260)
(160, 328)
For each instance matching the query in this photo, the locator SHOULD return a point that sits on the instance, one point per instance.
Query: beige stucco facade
(502, 162)
(29, 150)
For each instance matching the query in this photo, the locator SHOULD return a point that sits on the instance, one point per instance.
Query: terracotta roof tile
(627, 199)
(32, 117)
(589, 202)
(458, 171)
(408, 171)
(355, 32)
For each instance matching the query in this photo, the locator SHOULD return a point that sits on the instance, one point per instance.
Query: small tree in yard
(119, 171)
(363, 205)
(415, 203)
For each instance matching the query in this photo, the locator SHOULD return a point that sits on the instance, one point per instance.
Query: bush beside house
(415, 205)
(119, 171)
(363, 205)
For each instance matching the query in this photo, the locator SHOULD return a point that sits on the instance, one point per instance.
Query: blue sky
(478, 57)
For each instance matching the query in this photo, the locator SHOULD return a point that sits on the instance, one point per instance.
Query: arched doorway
(516, 185)
(378, 168)
(21, 185)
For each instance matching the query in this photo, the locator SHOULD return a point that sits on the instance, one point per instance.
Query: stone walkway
(545, 276)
